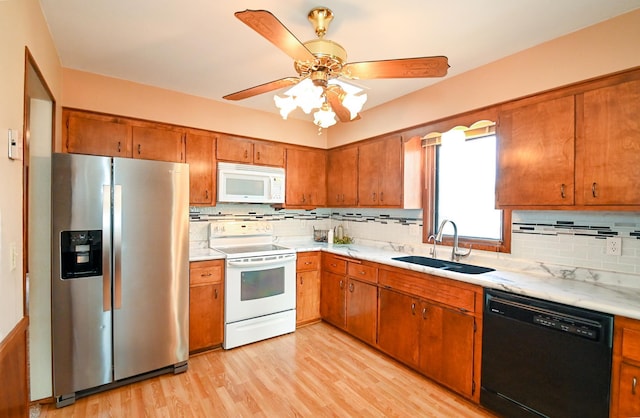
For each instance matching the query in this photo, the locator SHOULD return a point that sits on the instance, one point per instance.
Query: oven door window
(261, 284)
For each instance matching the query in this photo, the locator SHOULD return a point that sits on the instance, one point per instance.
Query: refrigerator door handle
(117, 246)
(106, 248)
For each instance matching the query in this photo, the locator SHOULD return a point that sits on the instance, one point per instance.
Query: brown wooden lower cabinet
(308, 287)
(206, 304)
(427, 322)
(625, 373)
(398, 327)
(362, 310)
(347, 302)
(333, 300)
(435, 340)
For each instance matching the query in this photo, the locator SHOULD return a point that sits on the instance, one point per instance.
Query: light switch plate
(614, 245)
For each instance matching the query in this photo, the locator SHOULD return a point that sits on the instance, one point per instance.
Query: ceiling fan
(320, 62)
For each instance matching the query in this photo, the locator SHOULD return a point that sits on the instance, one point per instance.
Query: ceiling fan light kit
(319, 64)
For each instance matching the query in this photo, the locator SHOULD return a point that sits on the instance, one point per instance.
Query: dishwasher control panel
(567, 325)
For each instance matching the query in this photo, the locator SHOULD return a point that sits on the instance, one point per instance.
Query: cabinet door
(151, 143)
(536, 154)
(308, 297)
(390, 173)
(342, 177)
(610, 147)
(268, 154)
(368, 173)
(97, 135)
(205, 316)
(446, 347)
(362, 310)
(333, 298)
(398, 326)
(234, 149)
(200, 155)
(306, 178)
(629, 393)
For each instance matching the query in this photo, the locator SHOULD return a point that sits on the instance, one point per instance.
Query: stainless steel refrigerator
(120, 271)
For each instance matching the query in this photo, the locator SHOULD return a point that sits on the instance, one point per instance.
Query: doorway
(39, 116)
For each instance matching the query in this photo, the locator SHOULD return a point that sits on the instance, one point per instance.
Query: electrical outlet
(614, 246)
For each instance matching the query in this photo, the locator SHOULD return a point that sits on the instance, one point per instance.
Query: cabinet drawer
(428, 288)
(334, 264)
(206, 272)
(631, 344)
(308, 261)
(363, 272)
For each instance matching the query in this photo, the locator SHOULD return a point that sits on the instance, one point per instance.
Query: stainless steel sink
(444, 265)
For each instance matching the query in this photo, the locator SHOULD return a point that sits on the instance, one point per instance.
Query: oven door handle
(232, 263)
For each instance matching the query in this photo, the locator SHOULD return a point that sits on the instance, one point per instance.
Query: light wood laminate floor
(318, 371)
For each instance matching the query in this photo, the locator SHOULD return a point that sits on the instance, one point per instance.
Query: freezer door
(151, 265)
(80, 281)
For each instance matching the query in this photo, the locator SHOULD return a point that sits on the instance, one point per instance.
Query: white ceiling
(199, 47)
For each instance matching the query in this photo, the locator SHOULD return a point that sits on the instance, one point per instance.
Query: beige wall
(600, 49)
(110, 95)
(604, 48)
(22, 25)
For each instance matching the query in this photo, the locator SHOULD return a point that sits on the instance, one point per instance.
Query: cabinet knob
(424, 313)
(413, 309)
(374, 196)
(634, 383)
(258, 155)
(205, 274)
(594, 191)
(562, 194)
(139, 148)
(382, 196)
(119, 146)
(341, 284)
(301, 280)
(215, 293)
(351, 287)
(246, 154)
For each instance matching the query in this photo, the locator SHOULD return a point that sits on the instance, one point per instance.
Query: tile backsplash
(565, 238)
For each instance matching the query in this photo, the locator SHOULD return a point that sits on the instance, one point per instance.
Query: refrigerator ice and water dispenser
(81, 254)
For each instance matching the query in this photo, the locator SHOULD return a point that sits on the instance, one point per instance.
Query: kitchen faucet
(455, 251)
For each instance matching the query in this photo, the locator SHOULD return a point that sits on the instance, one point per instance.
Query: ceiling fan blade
(398, 68)
(262, 88)
(267, 25)
(335, 94)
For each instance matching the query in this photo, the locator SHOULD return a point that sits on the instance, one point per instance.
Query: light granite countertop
(583, 289)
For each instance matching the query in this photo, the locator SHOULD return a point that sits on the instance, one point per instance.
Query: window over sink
(465, 184)
(460, 178)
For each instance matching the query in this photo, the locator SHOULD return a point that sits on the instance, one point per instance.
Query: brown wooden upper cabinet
(380, 172)
(342, 177)
(580, 149)
(306, 185)
(608, 148)
(247, 151)
(89, 133)
(200, 155)
(158, 143)
(536, 154)
(390, 173)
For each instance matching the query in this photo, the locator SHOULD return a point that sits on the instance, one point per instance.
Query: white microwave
(250, 183)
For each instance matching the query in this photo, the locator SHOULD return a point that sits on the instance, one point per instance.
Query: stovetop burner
(245, 239)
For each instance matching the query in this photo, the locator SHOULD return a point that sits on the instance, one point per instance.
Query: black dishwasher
(544, 359)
